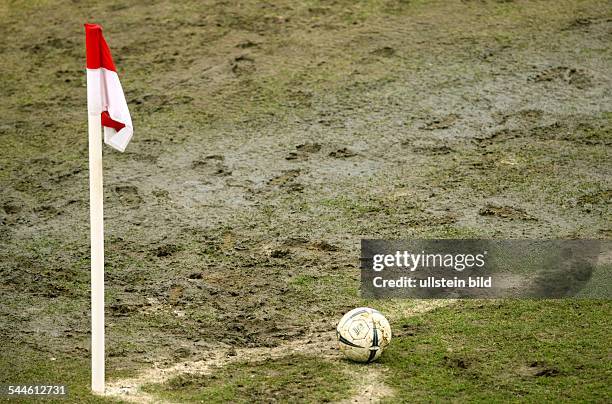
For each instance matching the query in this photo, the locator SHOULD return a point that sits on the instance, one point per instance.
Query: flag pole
(97, 253)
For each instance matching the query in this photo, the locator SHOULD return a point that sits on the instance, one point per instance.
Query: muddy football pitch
(270, 138)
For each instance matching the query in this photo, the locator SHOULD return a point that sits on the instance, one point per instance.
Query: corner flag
(106, 107)
(104, 93)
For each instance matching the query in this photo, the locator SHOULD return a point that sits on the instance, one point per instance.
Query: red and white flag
(104, 93)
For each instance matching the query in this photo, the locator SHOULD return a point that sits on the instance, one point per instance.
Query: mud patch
(431, 148)
(211, 165)
(443, 122)
(579, 23)
(505, 212)
(304, 243)
(368, 385)
(47, 211)
(538, 369)
(243, 65)
(285, 177)
(594, 199)
(343, 153)
(385, 51)
(287, 180)
(578, 78)
(12, 206)
(303, 151)
(456, 362)
(165, 250)
(128, 195)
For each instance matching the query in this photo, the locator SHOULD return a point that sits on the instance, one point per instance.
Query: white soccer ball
(363, 333)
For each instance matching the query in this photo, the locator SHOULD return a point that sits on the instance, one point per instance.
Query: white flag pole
(97, 253)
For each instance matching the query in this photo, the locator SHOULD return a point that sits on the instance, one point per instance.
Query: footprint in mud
(342, 153)
(538, 369)
(147, 158)
(456, 362)
(491, 52)
(505, 212)
(147, 99)
(594, 134)
(596, 199)
(441, 122)
(324, 246)
(243, 64)
(303, 151)
(531, 116)
(9, 213)
(128, 195)
(299, 97)
(247, 44)
(578, 23)
(580, 132)
(294, 187)
(575, 77)
(279, 253)
(175, 294)
(287, 181)
(162, 194)
(429, 149)
(430, 220)
(525, 118)
(66, 75)
(49, 45)
(165, 250)
(501, 135)
(304, 243)
(212, 165)
(385, 51)
(296, 242)
(12, 207)
(285, 177)
(47, 211)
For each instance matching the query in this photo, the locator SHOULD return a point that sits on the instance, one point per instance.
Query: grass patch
(513, 350)
(294, 378)
(24, 365)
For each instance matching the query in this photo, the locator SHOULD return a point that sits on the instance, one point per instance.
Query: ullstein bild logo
(485, 269)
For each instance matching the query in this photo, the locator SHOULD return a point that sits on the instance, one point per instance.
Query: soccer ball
(363, 333)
